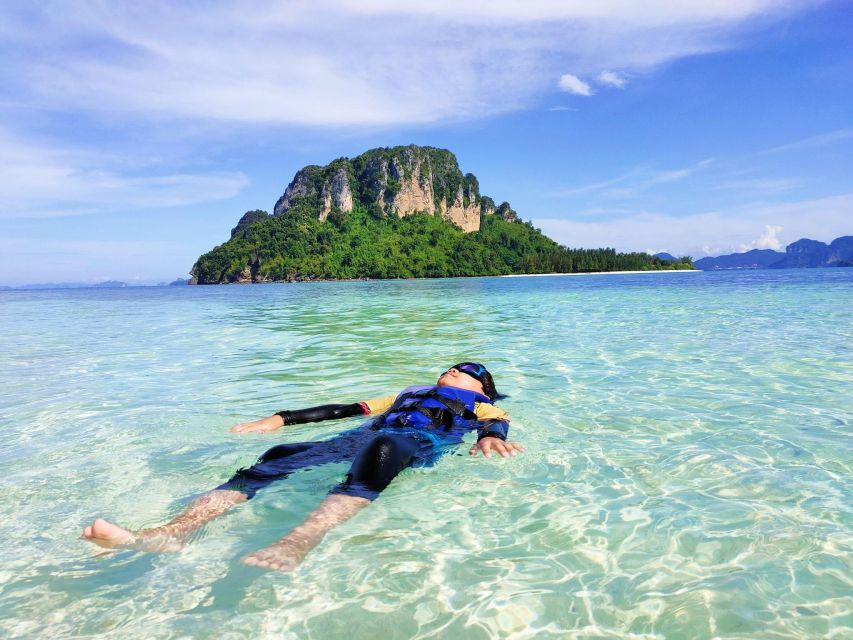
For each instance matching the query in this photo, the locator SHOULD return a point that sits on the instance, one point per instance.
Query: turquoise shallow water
(688, 473)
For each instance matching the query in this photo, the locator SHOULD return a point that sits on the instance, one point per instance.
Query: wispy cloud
(650, 13)
(671, 176)
(293, 63)
(611, 79)
(812, 142)
(635, 180)
(674, 175)
(600, 185)
(42, 180)
(765, 185)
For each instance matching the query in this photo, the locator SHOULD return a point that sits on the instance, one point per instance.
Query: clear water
(687, 475)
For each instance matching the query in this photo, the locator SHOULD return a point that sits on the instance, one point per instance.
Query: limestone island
(399, 212)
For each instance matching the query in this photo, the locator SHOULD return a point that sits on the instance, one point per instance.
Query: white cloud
(711, 232)
(611, 79)
(294, 63)
(573, 84)
(768, 240)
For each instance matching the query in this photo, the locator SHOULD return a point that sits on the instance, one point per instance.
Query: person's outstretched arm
(492, 432)
(315, 414)
(301, 416)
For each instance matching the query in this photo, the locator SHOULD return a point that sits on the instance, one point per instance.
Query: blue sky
(134, 135)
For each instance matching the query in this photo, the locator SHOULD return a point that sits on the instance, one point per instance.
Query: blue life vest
(433, 407)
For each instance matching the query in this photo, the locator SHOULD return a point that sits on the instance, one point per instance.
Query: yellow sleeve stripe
(486, 411)
(378, 405)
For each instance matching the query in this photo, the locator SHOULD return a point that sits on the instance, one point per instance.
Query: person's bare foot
(108, 535)
(284, 555)
(111, 536)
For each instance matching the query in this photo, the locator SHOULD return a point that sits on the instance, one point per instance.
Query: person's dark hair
(478, 371)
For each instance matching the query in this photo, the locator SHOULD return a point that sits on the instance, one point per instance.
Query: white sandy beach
(598, 273)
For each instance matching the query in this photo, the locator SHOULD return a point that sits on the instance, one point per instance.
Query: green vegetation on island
(405, 212)
(359, 245)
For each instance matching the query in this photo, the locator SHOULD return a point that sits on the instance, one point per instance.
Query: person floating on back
(413, 428)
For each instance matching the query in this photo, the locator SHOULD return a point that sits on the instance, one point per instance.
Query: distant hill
(755, 259)
(807, 253)
(663, 255)
(803, 253)
(400, 212)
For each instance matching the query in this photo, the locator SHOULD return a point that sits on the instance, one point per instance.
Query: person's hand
(489, 444)
(264, 425)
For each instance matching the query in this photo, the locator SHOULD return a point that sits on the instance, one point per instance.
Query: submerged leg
(287, 553)
(373, 469)
(172, 535)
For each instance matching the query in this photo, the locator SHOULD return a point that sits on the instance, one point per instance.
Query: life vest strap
(453, 407)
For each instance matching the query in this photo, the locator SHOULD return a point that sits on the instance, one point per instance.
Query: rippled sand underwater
(687, 474)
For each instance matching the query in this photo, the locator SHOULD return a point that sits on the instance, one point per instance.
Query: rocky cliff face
(300, 187)
(397, 181)
(337, 194)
